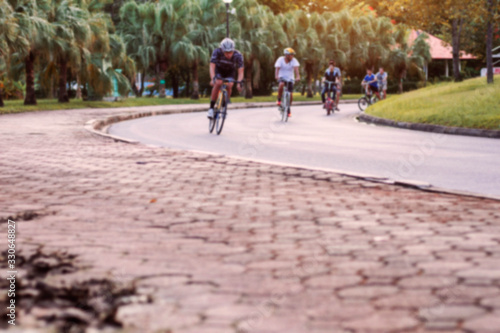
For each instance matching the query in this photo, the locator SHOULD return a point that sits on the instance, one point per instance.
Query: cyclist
(382, 81)
(371, 81)
(287, 68)
(223, 64)
(332, 74)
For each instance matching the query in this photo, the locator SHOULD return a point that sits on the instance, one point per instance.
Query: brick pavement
(212, 244)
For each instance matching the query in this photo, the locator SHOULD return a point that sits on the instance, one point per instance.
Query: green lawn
(471, 104)
(16, 106)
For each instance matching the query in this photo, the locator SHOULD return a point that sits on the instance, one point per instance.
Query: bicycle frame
(286, 98)
(330, 83)
(220, 111)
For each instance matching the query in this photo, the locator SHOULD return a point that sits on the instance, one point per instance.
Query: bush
(12, 89)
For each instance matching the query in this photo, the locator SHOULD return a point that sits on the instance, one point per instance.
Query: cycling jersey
(331, 75)
(286, 70)
(369, 78)
(224, 66)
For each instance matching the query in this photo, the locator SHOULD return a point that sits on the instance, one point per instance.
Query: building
(441, 52)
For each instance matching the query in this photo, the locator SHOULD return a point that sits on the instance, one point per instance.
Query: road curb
(99, 127)
(492, 134)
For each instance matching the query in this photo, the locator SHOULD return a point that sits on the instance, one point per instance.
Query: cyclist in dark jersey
(225, 62)
(332, 74)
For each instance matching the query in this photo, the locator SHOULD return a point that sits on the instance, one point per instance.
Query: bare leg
(215, 89)
(280, 90)
(229, 89)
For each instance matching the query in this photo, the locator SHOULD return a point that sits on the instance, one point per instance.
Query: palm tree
(106, 52)
(34, 27)
(335, 38)
(204, 34)
(172, 24)
(72, 34)
(304, 40)
(137, 26)
(254, 40)
(404, 58)
(11, 41)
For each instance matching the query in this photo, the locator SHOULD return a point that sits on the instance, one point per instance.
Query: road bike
(330, 103)
(220, 107)
(284, 108)
(368, 99)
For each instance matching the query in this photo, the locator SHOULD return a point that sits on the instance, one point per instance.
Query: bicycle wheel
(363, 103)
(211, 122)
(329, 107)
(286, 107)
(221, 117)
(374, 99)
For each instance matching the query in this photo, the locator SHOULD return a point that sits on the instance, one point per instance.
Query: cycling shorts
(224, 73)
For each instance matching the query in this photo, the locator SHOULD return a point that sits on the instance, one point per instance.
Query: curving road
(338, 142)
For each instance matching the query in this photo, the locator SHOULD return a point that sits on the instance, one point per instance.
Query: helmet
(227, 45)
(288, 51)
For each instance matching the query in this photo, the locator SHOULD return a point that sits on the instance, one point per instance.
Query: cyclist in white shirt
(287, 68)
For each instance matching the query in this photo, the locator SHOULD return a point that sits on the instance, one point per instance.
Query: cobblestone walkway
(215, 245)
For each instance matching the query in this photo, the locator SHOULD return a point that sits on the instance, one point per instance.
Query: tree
(492, 9)
(451, 15)
(204, 34)
(404, 58)
(254, 40)
(138, 27)
(11, 41)
(72, 34)
(33, 27)
(172, 21)
(106, 53)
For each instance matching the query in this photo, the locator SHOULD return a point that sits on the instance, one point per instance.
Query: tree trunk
(143, 78)
(133, 86)
(187, 80)
(29, 62)
(489, 44)
(249, 79)
(309, 71)
(78, 87)
(175, 84)
(455, 35)
(196, 84)
(63, 75)
(400, 84)
(160, 78)
(1, 97)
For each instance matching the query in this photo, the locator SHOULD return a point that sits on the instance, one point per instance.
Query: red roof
(439, 48)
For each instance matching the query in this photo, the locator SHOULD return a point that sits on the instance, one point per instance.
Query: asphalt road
(336, 142)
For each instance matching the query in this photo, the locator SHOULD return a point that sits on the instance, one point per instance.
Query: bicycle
(330, 103)
(284, 109)
(220, 107)
(368, 99)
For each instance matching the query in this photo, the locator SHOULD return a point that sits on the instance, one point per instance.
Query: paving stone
(333, 282)
(444, 312)
(384, 322)
(427, 282)
(367, 292)
(488, 323)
